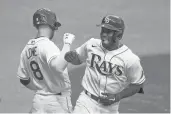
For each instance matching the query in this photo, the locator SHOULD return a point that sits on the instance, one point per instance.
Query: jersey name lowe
(34, 64)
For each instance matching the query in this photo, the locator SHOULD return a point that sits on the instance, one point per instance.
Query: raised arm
(59, 64)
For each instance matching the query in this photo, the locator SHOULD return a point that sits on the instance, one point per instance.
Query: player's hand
(109, 99)
(68, 38)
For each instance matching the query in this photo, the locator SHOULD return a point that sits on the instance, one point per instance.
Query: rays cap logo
(106, 20)
(112, 22)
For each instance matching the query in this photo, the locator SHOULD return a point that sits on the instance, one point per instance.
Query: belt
(59, 93)
(50, 94)
(92, 96)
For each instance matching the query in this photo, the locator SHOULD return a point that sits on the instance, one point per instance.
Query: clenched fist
(68, 38)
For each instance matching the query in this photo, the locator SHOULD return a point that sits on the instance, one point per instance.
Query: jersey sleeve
(50, 51)
(82, 51)
(22, 73)
(136, 73)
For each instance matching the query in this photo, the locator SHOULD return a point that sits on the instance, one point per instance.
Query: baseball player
(113, 71)
(42, 66)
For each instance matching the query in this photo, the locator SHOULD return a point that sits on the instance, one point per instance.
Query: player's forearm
(130, 90)
(59, 64)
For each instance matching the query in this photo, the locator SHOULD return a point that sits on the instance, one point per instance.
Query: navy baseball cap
(112, 22)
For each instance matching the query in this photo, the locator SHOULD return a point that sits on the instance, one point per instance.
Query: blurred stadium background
(147, 34)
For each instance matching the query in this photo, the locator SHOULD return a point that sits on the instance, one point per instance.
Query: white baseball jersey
(34, 64)
(109, 71)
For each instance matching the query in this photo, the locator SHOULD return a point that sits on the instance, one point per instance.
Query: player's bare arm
(59, 64)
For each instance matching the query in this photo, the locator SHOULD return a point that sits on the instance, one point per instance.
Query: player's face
(107, 37)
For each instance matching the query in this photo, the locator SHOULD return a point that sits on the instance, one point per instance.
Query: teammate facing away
(42, 66)
(113, 71)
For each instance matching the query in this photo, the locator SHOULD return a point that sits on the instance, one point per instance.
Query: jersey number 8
(36, 70)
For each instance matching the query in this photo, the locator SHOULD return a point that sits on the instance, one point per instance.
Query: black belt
(103, 101)
(92, 96)
(50, 94)
(59, 93)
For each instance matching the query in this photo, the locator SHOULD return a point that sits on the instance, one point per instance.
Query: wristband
(67, 43)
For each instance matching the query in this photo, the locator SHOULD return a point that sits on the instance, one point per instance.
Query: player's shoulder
(38, 41)
(94, 41)
(45, 42)
(130, 57)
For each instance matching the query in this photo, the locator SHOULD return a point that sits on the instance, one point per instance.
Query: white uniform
(106, 72)
(34, 64)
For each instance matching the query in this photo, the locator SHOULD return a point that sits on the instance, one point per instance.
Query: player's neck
(115, 46)
(43, 34)
(40, 35)
(44, 31)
